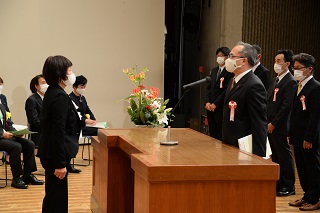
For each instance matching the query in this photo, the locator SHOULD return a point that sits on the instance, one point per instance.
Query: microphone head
(208, 79)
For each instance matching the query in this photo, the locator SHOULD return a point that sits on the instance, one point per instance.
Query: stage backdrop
(99, 37)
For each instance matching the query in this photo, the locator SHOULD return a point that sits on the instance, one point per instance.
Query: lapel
(38, 99)
(279, 85)
(237, 86)
(3, 111)
(304, 90)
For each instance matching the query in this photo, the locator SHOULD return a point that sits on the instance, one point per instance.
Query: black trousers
(89, 131)
(56, 190)
(15, 146)
(215, 123)
(308, 167)
(282, 154)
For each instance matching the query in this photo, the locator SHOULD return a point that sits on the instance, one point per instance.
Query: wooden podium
(132, 172)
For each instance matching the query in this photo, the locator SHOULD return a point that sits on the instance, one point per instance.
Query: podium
(132, 172)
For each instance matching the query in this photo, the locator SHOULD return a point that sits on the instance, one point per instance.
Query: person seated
(80, 102)
(3, 98)
(15, 145)
(33, 106)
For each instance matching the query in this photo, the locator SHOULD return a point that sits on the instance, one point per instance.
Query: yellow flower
(8, 115)
(87, 116)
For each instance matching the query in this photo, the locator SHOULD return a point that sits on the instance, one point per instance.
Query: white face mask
(277, 68)
(80, 91)
(220, 60)
(298, 75)
(43, 88)
(71, 79)
(231, 65)
(1, 88)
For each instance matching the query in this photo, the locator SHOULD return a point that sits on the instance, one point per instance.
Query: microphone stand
(168, 140)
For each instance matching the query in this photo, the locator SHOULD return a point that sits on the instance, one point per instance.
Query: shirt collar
(282, 75)
(305, 81)
(236, 79)
(41, 96)
(255, 66)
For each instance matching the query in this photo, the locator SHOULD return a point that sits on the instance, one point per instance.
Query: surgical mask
(43, 88)
(70, 80)
(1, 88)
(80, 91)
(298, 75)
(277, 68)
(231, 65)
(220, 60)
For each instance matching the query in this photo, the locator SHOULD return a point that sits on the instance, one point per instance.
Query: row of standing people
(242, 100)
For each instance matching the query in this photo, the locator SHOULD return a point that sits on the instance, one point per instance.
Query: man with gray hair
(244, 110)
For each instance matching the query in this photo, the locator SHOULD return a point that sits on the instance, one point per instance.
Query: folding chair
(86, 141)
(3, 162)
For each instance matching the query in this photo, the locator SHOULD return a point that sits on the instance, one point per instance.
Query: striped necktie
(299, 88)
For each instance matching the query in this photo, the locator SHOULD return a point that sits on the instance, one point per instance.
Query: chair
(86, 141)
(3, 162)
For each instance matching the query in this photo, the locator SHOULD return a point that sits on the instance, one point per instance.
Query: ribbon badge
(232, 106)
(276, 90)
(221, 81)
(303, 101)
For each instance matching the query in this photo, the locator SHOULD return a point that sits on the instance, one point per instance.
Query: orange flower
(154, 91)
(136, 90)
(141, 86)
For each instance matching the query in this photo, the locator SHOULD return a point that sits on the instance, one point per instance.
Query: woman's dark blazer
(60, 128)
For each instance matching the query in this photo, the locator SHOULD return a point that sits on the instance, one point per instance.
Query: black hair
(80, 80)
(224, 50)
(305, 59)
(35, 82)
(55, 68)
(287, 57)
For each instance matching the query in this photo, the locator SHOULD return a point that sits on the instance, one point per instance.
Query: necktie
(299, 88)
(218, 73)
(275, 82)
(233, 83)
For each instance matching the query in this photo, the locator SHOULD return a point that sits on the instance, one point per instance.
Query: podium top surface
(196, 157)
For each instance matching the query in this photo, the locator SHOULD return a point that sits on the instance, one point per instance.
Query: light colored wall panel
(99, 37)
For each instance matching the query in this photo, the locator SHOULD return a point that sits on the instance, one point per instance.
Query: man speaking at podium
(244, 109)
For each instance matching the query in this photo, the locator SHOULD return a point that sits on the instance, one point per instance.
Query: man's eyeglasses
(234, 56)
(299, 68)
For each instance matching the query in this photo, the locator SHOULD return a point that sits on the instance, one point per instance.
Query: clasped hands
(210, 107)
(8, 135)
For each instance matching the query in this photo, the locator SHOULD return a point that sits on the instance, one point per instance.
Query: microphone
(196, 83)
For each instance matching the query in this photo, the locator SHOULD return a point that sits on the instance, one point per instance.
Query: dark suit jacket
(83, 107)
(33, 108)
(278, 112)
(215, 94)
(305, 124)
(4, 125)
(264, 75)
(250, 113)
(60, 128)
(3, 99)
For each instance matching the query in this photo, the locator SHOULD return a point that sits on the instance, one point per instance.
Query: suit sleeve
(266, 79)
(256, 99)
(286, 104)
(59, 113)
(312, 130)
(32, 113)
(88, 110)
(208, 90)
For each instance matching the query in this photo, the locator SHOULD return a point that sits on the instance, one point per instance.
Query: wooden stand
(132, 172)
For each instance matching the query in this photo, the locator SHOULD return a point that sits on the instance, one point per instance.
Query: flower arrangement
(146, 108)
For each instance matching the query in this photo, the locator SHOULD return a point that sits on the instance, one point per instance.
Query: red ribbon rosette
(221, 81)
(276, 90)
(232, 106)
(303, 101)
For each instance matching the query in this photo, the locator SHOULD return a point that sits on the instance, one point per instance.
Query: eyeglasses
(234, 56)
(299, 68)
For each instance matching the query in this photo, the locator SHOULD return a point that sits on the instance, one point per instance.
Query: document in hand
(98, 125)
(245, 144)
(22, 132)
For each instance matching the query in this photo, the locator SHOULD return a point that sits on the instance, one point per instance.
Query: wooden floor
(30, 200)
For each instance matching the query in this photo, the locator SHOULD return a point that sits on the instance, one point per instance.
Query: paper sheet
(245, 144)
